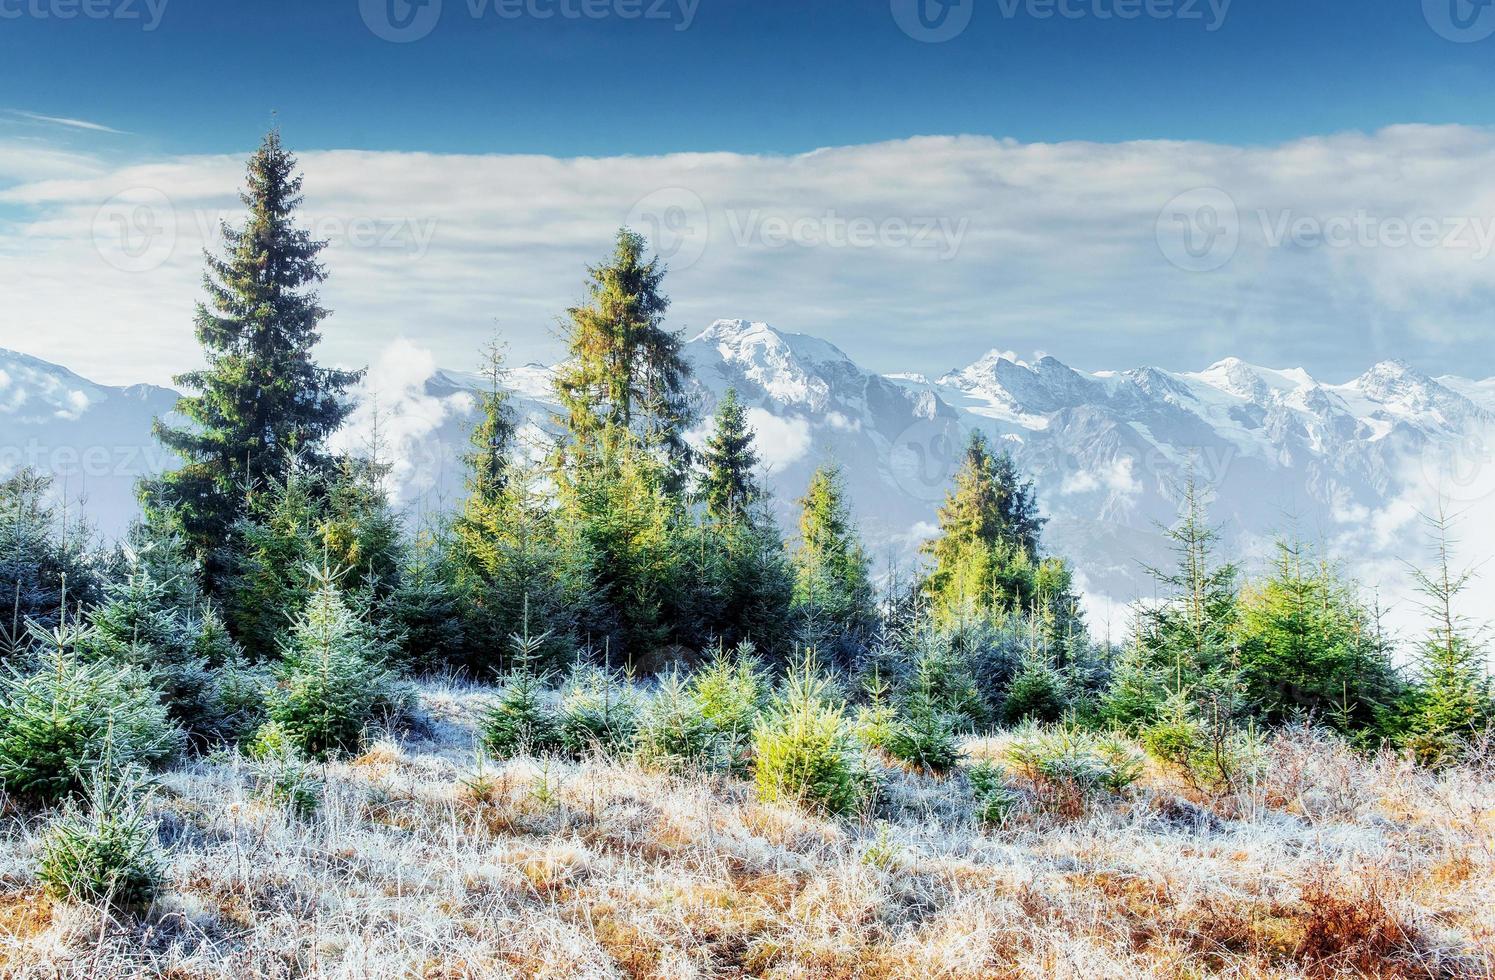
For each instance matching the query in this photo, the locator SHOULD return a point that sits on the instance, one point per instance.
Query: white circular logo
(924, 458)
(135, 230)
(1460, 470)
(1199, 230)
(400, 21)
(674, 220)
(1460, 21)
(932, 21)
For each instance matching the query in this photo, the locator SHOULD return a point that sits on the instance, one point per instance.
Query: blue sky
(745, 75)
(1050, 176)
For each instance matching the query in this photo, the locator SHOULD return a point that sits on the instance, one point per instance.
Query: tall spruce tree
(986, 556)
(1190, 629)
(513, 566)
(488, 459)
(742, 580)
(730, 485)
(833, 596)
(261, 396)
(625, 379)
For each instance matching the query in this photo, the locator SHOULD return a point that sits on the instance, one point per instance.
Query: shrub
(732, 691)
(877, 718)
(924, 735)
(139, 625)
(1069, 769)
(599, 712)
(239, 693)
(674, 729)
(106, 855)
(944, 674)
(1036, 694)
(1212, 756)
(64, 716)
(806, 750)
(332, 676)
(522, 719)
(282, 776)
(1136, 694)
(996, 798)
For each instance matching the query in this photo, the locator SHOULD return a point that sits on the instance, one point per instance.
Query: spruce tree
(833, 598)
(730, 485)
(261, 395)
(43, 554)
(622, 465)
(520, 569)
(1309, 647)
(1191, 628)
(488, 460)
(332, 675)
(137, 625)
(1454, 694)
(743, 583)
(986, 559)
(625, 379)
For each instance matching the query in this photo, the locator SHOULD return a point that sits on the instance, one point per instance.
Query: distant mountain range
(1345, 465)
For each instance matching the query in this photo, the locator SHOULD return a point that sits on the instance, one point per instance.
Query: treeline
(273, 597)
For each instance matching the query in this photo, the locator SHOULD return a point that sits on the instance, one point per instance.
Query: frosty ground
(425, 860)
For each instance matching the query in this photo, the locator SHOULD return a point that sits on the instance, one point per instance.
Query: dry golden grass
(417, 865)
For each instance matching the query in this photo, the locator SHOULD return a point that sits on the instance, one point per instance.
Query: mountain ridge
(1108, 450)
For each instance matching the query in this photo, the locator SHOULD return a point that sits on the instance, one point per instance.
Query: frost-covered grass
(422, 860)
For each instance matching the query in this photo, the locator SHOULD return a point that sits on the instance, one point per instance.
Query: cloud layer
(1329, 252)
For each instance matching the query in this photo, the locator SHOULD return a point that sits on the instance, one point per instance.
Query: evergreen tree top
(625, 379)
(730, 485)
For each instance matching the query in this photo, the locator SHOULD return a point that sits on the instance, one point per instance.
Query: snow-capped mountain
(93, 439)
(1348, 465)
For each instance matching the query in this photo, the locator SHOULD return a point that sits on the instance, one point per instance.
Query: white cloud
(1114, 477)
(780, 441)
(1057, 246)
(395, 415)
(83, 124)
